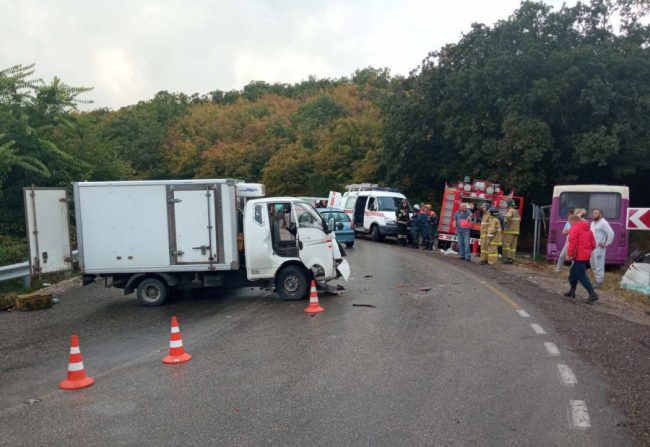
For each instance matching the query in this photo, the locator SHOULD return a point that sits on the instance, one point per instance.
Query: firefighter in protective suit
(402, 215)
(510, 232)
(485, 223)
(494, 237)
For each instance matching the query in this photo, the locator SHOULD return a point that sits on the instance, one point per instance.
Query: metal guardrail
(14, 271)
(21, 270)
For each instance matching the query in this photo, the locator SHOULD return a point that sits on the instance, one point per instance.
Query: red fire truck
(474, 193)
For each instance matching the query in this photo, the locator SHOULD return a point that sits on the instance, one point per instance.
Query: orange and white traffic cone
(314, 306)
(177, 353)
(76, 373)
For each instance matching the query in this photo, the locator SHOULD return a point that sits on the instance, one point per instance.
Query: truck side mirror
(330, 225)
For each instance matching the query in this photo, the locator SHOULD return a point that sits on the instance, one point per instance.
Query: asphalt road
(463, 363)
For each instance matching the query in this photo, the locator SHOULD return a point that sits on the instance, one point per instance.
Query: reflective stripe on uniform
(490, 255)
(510, 232)
(495, 243)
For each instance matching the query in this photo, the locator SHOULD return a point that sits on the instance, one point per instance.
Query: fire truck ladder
(447, 208)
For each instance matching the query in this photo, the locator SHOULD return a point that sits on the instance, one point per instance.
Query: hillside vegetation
(541, 98)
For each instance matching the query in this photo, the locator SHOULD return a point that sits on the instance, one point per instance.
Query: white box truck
(151, 237)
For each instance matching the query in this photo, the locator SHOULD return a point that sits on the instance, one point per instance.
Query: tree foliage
(542, 98)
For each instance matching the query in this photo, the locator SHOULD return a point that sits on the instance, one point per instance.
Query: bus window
(608, 202)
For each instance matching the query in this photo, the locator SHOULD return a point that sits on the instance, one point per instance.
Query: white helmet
(416, 207)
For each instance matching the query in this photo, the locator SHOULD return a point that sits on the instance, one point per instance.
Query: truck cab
(286, 239)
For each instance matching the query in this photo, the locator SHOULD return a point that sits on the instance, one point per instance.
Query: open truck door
(314, 245)
(48, 230)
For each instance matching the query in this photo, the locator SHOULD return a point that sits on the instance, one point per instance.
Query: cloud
(128, 50)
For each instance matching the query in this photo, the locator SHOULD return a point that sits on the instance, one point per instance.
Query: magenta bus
(612, 200)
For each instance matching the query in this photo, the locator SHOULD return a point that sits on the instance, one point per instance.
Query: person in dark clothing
(424, 226)
(581, 245)
(433, 229)
(415, 228)
(402, 216)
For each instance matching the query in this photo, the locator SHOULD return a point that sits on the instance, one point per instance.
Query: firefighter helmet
(512, 203)
(416, 207)
(494, 211)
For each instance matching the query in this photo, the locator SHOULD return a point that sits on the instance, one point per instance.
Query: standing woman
(565, 231)
(581, 245)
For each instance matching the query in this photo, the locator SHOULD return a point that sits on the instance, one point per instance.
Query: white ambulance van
(372, 209)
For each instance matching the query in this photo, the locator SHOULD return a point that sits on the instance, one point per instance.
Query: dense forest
(543, 97)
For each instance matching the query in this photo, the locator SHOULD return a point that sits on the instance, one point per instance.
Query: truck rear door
(48, 233)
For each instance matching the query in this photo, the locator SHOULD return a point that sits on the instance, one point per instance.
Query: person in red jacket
(581, 244)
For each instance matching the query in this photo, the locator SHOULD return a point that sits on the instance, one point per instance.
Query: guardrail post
(27, 281)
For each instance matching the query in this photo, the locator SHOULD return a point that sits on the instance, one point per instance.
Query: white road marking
(523, 313)
(579, 414)
(568, 378)
(551, 348)
(538, 329)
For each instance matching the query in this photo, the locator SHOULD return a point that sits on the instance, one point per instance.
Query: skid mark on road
(494, 290)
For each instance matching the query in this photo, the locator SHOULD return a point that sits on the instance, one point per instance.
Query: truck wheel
(152, 292)
(292, 283)
(376, 235)
(350, 244)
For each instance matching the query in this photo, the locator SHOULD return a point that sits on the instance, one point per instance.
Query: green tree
(33, 116)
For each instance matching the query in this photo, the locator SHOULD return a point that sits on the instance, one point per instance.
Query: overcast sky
(129, 50)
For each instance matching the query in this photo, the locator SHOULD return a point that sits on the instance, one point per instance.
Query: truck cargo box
(157, 226)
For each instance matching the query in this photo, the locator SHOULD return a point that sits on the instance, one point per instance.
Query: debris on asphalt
(8, 301)
(33, 301)
(367, 276)
(62, 286)
(32, 401)
(55, 301)
(450, 251)
(363, 305)
(637, 277)
(401, 285)
(423, 289)
(340, 287)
